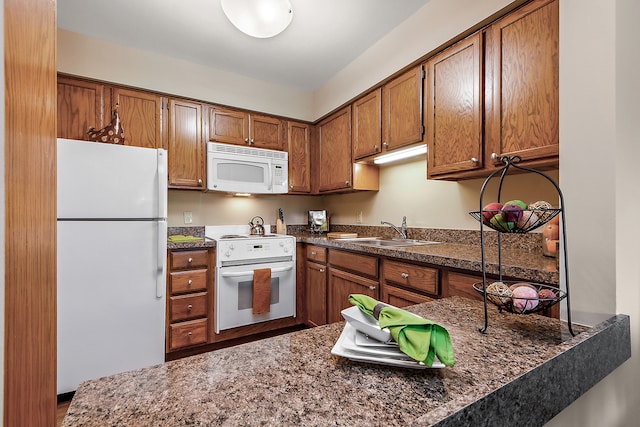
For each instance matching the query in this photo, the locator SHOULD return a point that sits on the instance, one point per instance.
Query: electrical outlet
(188, 217)
(359, 217)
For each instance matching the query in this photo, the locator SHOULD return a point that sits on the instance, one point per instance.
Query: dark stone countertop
(517, 263)
(294, 379)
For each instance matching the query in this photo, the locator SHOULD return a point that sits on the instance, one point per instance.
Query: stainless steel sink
(392, 242)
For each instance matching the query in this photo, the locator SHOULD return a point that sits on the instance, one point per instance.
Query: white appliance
(238, 169)
(111, 245)
(237, 256)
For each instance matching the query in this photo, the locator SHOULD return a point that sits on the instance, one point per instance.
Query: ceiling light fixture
(259, 18)
(401, 154)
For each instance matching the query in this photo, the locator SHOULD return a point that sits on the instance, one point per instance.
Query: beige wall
(598, 115)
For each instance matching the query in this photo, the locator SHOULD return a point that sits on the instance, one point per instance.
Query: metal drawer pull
(189, 307)
(404, 275)
(189, 282)
(189, 333)
(313, 253)
(250, 273)
(190, 260)
(373, 288)
(322, 270)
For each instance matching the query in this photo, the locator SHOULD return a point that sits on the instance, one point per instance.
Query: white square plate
(346, 347)
(366, 324)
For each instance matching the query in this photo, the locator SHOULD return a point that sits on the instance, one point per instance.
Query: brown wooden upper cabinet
(143, 117)
(522, 85)
(334, 145)
(299, 149)
(519, 102)
(389, 117)
(82, 105)
(186, 146)
(453, 113)
(243, 128)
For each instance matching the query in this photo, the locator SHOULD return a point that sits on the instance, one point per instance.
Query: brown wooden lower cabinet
(459, 284)
(316, 294)
(399, 297)
(187, 334)
(343, 284)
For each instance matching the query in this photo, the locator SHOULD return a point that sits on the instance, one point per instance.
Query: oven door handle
(250, 273)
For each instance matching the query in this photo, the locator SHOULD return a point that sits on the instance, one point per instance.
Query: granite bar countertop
(294, 379)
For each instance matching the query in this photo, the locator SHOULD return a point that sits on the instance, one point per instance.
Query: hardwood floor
(61, 412)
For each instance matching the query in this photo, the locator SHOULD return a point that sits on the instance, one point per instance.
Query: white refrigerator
(111, 249)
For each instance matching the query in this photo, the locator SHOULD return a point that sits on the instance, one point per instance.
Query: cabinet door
(266, 132)
(299, 148)
(367, 125)
(186, 149)
(522, 81)
(402, 110)
(82, 105)
(228, 126)
(343, 284)
(401, 297)
(334, 162)
(454, 108)
(459, 284)
(143, 117)
(316, 293)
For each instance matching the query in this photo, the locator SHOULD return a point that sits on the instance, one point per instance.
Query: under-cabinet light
(401, 154)
(242, 194)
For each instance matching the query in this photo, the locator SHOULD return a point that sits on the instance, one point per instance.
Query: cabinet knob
(385, 144)
(189, 333)
(246, 140)
(252, 141)
(291, 186)
(199, 181)
(494, 156)
(375, 148)
(474, 160)
(313, 253)
(190, 260)
(346, 183)
(373, 288)
(189, 307)
(404, 275)
(322, 270)
(189, 282)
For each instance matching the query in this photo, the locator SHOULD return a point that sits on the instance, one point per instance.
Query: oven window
(240, 172)
(245, 293)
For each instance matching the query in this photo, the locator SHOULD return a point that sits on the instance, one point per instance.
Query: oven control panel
(255, 249)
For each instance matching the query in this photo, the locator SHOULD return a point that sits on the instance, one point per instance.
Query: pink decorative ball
(525, 298)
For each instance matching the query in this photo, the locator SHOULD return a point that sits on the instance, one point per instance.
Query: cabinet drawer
(179, 260)
(317, 254)
(361, 264)
(422, 279)
(186, 307)
(187, 281)
(460, 284)
(189, 333)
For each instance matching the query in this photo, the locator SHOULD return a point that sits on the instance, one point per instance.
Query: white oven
(236, 259)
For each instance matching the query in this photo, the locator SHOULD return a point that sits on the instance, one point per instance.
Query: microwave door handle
(270, 174)
(250, 272)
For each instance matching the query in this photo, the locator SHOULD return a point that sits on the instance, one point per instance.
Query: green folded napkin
(178, 238)
(417, 337)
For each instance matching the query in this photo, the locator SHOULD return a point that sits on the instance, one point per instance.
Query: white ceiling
(324, 36)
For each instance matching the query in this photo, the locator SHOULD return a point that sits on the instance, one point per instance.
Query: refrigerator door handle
(162, 183)
(161, 283)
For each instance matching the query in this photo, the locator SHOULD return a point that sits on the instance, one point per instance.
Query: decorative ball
(499, 293)
(546, 294)
(517, 202)
(499, 223)
(527, 220)
(512, 212)
(541, 207)
(525, 298)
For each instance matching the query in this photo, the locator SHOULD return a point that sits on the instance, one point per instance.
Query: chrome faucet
(401, 231)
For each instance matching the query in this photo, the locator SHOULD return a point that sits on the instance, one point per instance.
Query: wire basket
(522, 221)
(536, 297)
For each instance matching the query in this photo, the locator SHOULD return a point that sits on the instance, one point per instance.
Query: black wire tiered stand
(499, 293)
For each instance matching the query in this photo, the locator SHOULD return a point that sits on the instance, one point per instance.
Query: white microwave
(238, 169)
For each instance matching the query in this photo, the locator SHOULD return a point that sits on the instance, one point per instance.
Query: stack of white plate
(363, 340)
